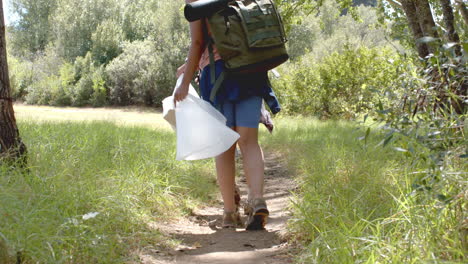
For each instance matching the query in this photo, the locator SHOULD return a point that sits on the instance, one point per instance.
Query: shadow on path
(203, 240)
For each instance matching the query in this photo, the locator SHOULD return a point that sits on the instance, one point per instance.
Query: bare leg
(225, 169)
(252, 160)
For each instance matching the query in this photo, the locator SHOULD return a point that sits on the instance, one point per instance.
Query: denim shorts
(243, 113)
(238, 99)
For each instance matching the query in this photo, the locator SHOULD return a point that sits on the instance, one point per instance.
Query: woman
(240, 101)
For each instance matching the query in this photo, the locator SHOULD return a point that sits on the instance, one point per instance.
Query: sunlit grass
(95, 188)
(355, 203)
(125, 116)
(128, 175)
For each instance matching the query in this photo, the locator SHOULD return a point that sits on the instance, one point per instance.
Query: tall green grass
(355, 202)
(93, 190)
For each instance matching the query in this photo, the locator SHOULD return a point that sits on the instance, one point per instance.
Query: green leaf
(400, 149)
(380, 106)
(450, 45)
(387, 140)
(465, 46)
(426, 40)
(444, 198)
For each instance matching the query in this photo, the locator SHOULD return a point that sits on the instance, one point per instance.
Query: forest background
(106, 52)
(363, 63)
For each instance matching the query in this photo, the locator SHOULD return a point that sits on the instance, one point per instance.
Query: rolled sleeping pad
(203, 8)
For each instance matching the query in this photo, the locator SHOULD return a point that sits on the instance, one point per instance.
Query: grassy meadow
(94, 187)
(356, 202)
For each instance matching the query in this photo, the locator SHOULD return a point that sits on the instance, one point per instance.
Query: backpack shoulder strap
(215, 82)
(209, 45)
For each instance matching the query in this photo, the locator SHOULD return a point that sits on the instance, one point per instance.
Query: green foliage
(75, 21)
(133, 75)
(32, 30)
(145, 72)
(84, 69)
(340, 85)
(328, 32)
(128, 176)
(106, 42)
(100, 90)
(43, 78)
(427, 124)
(428, 119)
(355, 203)
(21, 76)
(122, 52)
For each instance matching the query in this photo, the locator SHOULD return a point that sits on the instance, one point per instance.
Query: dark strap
(6, 98)
(212, 60)
(234, 114)
(216, 86)
(262, 8)
(209, 44)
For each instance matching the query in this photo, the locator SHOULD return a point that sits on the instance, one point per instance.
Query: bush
(329, 32)
(100, 91)
(340, 85)
(106, 42)
(145, 72)
(21, 76)
(44, 78)
(90, 88)
(133, 74)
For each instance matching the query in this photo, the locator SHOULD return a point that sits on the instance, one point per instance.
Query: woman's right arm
(197, 47)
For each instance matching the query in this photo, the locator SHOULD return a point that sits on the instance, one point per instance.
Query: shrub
(100, 91)
(145, 71)
(132, 75)
(21, 76)
(328, 32)
(340, 85)
(63, 90)
(106, 42)
(44, 78)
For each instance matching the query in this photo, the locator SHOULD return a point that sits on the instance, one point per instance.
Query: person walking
(240, 100)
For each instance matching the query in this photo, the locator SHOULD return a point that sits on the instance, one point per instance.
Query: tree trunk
(426, 20)
(449, 21)
(11, 146)
(463, 10)
(412, 16)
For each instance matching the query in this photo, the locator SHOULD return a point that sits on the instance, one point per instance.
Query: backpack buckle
(227, 24)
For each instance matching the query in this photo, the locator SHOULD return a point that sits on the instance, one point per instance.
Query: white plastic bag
(201, 130)
(168, 104)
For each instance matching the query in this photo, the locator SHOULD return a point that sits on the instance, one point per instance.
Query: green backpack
(249, 36)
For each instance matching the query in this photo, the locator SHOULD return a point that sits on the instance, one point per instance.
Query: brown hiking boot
(232, 220)
(257, 212)
(237, 198)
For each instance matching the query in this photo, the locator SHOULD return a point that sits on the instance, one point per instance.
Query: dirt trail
(205, 242)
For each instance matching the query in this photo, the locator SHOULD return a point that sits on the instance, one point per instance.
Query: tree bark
(449, 21)
(463, 10)
(426, 20)
(11, 146)
(412, 16)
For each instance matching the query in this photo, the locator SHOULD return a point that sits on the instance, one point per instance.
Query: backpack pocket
(261, 23)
